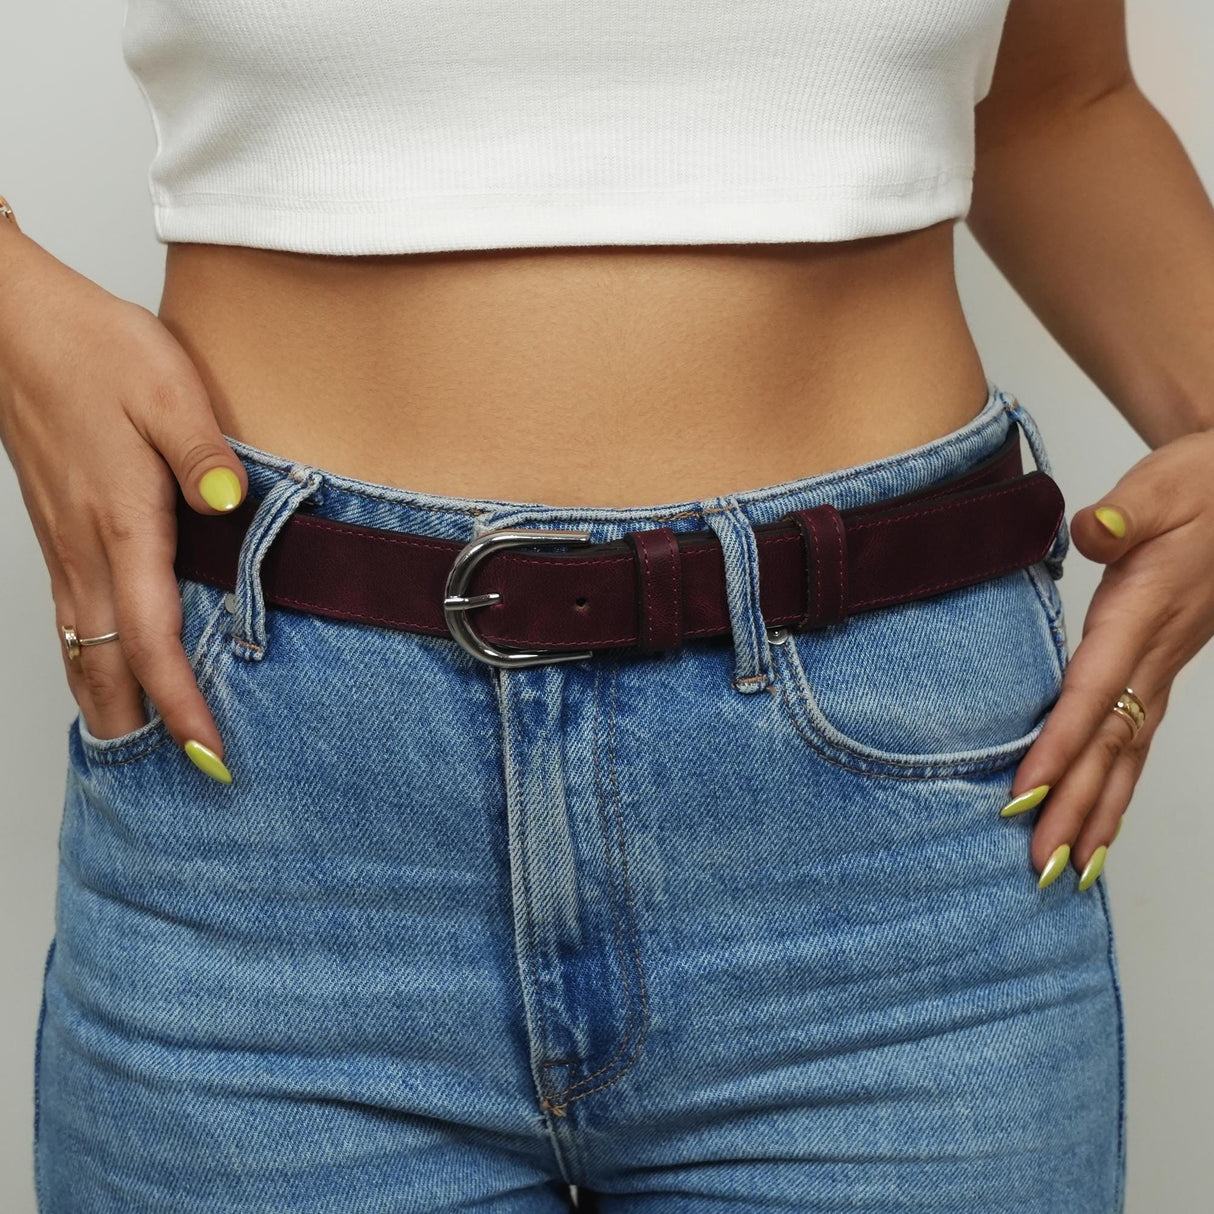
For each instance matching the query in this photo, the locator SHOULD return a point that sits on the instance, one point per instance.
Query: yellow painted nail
(1057, 862)
(1092, 869)
(1112, 519)
(220, 489)
(205, 759)
(1026, 800)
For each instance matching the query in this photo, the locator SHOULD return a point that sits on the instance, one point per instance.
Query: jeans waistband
(285, 486)
(454, 517)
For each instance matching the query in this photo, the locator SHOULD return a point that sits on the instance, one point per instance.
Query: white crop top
(399, 126)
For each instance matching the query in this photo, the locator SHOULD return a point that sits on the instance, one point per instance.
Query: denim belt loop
(1062, 539)
(752, 650)
(248, 639)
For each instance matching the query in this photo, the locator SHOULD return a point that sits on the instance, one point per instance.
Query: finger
(176, 417)
(103, 685)
(1112, 648)
(147, 605)
(1154, 496)
(1091, 848)
(1072, 797)
(1104, 821)
(107, 693)
(1115, 748)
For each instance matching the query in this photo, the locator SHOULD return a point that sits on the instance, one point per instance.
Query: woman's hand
(100, 409)
(1151, 613)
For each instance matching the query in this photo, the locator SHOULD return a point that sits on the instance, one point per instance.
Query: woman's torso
(612, 375)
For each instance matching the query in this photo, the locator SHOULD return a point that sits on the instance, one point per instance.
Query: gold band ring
(73, 643)
(1130, 708)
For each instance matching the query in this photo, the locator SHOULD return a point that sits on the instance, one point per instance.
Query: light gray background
(74, 146)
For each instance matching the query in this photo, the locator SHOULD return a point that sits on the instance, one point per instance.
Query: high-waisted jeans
(736, 927)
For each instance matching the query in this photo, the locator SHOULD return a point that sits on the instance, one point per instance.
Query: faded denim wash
(732, 928)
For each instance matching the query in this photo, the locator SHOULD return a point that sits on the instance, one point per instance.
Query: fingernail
(1057, 862)
(1112, 520)
(1118, 830)
(1026, 800)
(205, 759)
(1092, 868)
(220, 489)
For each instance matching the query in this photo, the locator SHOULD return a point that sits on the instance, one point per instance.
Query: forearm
(1099, 221)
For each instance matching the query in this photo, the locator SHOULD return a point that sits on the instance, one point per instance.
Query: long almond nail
(1093, 867)
(1026, 800)
(220, 489)
(205, 759)
(1057, 862)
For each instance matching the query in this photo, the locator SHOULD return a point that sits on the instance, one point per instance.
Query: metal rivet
(229, 601)
(777, 636)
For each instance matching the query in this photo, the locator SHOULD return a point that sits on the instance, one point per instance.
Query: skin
(634, 375)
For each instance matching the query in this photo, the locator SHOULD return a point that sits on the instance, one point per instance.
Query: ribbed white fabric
(357, 126)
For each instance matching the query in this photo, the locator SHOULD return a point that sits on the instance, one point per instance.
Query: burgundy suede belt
(651, 590)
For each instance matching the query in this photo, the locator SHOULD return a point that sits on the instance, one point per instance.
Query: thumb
(1106, 530)
(182, 427)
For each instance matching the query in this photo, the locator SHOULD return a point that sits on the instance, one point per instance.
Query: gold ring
(72, 642)
(1130, 708)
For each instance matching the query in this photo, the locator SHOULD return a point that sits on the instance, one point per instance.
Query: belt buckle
(456, 603)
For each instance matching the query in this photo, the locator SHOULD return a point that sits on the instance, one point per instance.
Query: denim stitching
(750, 640)
(1055, 557)
(758, 632)
(250, 622)
(524, 874)
(1119, 1193)
(619, 939)
(1054, 620)
(916, 770)
(630, 902)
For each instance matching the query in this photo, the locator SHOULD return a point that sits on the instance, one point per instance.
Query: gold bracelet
(7, 213)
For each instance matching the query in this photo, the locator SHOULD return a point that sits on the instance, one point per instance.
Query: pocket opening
(957, 683)
(206, 625)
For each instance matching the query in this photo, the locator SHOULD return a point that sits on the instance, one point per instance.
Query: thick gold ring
(1130, 708)
(72, 642)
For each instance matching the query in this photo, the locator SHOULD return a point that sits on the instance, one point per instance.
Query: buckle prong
(456, 603)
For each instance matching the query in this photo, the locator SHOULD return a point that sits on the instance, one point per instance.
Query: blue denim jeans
(736, 927)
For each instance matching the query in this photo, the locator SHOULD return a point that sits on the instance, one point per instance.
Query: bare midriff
(603, 376)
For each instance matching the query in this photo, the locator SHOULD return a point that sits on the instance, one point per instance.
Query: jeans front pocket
(205, 626)
(958, 683)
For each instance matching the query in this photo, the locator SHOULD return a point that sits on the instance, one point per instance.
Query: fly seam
(619, 943)
(535, 968)
(636, 1049)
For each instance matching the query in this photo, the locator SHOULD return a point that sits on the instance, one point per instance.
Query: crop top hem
(436, 223)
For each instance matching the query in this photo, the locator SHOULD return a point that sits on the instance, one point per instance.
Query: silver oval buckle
(456, 603)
